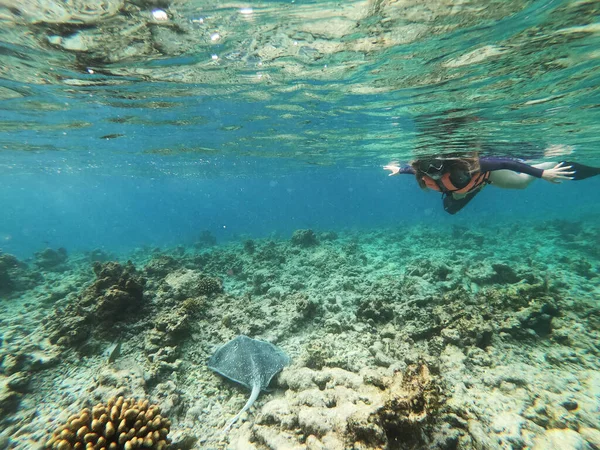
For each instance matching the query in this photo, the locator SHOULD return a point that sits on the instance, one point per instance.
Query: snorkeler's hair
(448, 164)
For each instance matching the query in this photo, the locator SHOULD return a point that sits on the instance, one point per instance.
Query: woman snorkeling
(459, 179)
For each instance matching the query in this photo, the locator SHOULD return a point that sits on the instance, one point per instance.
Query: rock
(557, 439)
(382, 360)
(190, 283)
(78, 42)
(18, 382)
(117, 289)
(509, 424)
(206, 239)
(9, 399)
(50, 259)
(389, 331)
(569, 405)
(61, 13)
(332, 406)
(4, 442)
(504, 274)
(108, 303)
(450, 335)
(377, 309)
(317, 354)
(591, 435)
(14, 275)
(304, 238)
(480, 436)
(160, 266)
(445, 438)
(183, 440)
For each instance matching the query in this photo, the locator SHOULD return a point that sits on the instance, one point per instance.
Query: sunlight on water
(358, 82)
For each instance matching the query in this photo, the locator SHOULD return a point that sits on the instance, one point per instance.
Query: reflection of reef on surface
(295, 56)
(123, 31)
(398, 339)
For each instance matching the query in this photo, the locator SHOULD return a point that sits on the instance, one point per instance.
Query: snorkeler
(460, 179)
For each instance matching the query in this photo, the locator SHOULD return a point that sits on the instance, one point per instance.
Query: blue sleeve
(407, 170)
(491, 164)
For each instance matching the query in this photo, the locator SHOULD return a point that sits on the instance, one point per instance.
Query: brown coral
(409, 402)
(335, 409)
(117, 289)
(304, 238)
(117, 295)
(121, 424)
(209, 286)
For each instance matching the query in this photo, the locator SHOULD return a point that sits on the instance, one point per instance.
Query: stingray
(251, 363)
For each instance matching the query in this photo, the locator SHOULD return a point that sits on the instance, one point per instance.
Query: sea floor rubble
(398, 339)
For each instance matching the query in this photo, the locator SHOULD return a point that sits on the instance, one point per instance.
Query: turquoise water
(314, 89)
(233, 152)
(115, 213)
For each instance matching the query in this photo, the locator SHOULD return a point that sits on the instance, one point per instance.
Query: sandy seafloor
(408, 338)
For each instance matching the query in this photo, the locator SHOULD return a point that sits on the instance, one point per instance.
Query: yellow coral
(120, 424)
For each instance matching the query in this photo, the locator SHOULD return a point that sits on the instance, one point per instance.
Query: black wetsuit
(488, 164)
(581, 172)
(452, 205)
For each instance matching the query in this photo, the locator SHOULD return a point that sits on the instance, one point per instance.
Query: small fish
(113, 352)
(112, 136)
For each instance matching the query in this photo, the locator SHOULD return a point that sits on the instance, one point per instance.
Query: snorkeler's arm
(491, 164)
(555, 173)
(395, 169)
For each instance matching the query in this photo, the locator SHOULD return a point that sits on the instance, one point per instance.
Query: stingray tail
(249, 403)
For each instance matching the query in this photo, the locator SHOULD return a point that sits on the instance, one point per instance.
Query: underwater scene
(300, 224)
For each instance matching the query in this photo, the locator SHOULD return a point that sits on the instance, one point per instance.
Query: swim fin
(582, 172)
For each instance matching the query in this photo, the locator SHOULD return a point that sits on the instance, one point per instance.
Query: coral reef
(249, 246)
(115, 296)
(328, 236)
(15, 276)
(375, 309)
(398, 339)
(304, 238)
(98, 255)
(336, 409)
(10, 396)
(7, 264)
(50, 259)
(270, 252)
(206, 239)
(161, 266)
(119, 424)
(117, 291)
(189, 283)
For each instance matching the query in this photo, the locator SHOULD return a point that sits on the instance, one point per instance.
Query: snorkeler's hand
(558, 173)
(394, 168)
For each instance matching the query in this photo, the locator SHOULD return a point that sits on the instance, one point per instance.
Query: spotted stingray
(251, 363)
